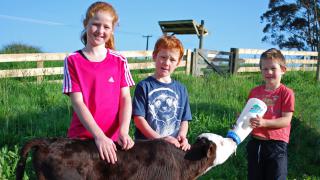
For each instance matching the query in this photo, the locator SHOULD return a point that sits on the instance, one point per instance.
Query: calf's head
(224, 147)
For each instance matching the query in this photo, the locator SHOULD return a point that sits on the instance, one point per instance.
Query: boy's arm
(182, 136)
(183, 129)
(281, 122)
(145, 128)
(139, 108)
(124, 118)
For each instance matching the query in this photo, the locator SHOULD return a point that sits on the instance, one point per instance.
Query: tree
(19, 48)
(293, 25)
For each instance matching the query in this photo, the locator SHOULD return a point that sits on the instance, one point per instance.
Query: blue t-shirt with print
(163, 105)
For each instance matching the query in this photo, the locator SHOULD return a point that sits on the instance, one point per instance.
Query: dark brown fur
(67, 159)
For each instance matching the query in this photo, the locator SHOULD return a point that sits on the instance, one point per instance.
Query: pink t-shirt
(278, 101)
(100, 84)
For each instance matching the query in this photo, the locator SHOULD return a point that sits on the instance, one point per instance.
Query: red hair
(91, 11)
(168, 42)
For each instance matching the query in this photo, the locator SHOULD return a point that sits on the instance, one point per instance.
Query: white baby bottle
(242, 127)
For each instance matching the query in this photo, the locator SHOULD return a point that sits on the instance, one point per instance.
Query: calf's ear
(211, 150)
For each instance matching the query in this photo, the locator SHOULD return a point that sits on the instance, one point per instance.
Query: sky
(55, 26)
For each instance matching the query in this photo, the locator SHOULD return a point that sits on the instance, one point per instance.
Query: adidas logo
(111, 80)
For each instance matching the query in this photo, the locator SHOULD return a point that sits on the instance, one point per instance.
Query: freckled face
(99, 28)
(166, 62)
(271, 73)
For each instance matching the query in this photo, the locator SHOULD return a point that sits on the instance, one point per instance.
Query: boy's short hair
(275, 55)
(168, 42)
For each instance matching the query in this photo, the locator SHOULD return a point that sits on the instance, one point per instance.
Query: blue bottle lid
(231, 134)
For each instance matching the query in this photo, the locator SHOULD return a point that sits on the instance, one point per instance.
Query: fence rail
(238, 61)
(40, 71)
(248, 60)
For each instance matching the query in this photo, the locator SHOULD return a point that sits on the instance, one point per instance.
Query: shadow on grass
(304, 150)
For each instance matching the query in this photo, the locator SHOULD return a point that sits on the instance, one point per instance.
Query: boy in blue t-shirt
(161, 105)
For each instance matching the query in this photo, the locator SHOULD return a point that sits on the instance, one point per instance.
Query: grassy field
(31, 110)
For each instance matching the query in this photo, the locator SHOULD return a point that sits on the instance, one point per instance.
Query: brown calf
(68, 159)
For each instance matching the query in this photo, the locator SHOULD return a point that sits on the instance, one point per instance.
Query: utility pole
(147, 36)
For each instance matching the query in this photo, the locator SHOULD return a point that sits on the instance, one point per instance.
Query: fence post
(234, 60)
(40, 65)
(188, 61)
(194, 62)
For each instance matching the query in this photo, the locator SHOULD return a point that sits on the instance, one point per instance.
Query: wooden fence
(195, 62)
(204, 61)
(247, 60)
(40, 70)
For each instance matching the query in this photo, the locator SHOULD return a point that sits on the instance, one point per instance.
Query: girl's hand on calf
(107, 149)
(125, 141)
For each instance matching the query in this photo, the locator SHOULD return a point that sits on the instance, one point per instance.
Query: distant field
(31, 110)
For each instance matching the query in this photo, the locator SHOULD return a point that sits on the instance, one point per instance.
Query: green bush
(16, 48)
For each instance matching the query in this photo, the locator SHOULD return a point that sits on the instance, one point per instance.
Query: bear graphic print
(163, 106)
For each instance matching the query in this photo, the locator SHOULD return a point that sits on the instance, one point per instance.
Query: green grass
(31, 110)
